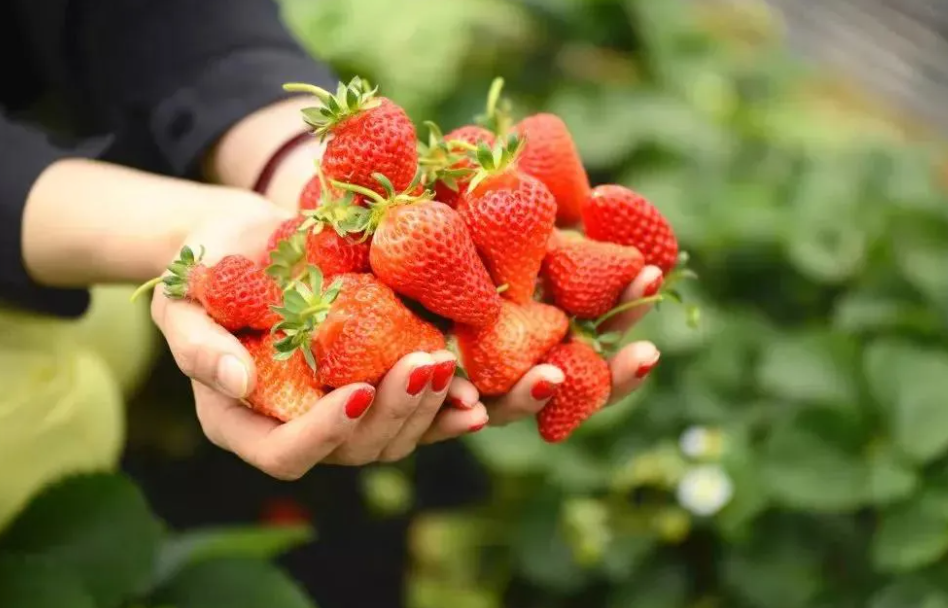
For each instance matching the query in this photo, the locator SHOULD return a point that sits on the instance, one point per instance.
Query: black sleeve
(26, 151)
(163, 79)
(167, 75)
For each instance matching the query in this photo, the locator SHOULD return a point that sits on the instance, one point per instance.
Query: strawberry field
(789, 451)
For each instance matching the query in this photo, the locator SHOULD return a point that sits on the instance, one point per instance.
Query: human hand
(629, 366)
(352, 425)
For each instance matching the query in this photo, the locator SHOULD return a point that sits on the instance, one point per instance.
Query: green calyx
(367, 219)
(176, 282)
(496, 160)
(349, 100)
(498, 115)
(285, 259)
(305, 306)
(438, 158)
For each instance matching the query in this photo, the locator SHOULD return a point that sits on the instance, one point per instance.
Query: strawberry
(618, 215)
(586, 278)
(585, 390)
(422, 249)
(284, 389)
(497, 356)
(448, 165)
(550, 155)
(354, 331)
(510, 216)
(312, 194)
(292, 245)
(235, 291)
(369, 133)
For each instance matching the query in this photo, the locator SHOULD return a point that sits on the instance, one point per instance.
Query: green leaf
(234, 583)
(96, 526)
(31, 582)
(660, 585)
(921, 248)
(236, 541)
(513, 449)
(890, 479)
(812, 367)
(813, 462)
(541, 551)
(912, 591)
(912, 535)
(911, 384)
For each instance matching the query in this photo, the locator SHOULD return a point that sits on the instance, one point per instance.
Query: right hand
(222, 374)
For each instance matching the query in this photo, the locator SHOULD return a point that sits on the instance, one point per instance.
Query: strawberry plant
(91, 541)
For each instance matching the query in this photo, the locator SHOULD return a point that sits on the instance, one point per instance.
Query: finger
(646, 284)
(452, 422)
(203, 350)
(283, 450)
(462, 394)
(528, 395)
(630, 367)
(401, 391)
(420, 420)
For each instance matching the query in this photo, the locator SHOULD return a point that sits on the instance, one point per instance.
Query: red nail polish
(652, 288)
(442, 375)
(359, 401)
(544, 389)
(645, 368)
(477, 427)
(418, 379)
(458, 404)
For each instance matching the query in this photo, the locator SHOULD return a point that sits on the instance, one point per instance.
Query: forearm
(241, 154)
(88, 222)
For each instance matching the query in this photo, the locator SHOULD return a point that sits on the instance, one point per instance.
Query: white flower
(705, 490)
(700, 443)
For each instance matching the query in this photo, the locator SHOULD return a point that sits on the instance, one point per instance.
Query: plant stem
(627, 306)
(375, 196)
(145, 287)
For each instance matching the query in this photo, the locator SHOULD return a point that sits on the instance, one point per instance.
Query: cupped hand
(352, 425)
(630, 365)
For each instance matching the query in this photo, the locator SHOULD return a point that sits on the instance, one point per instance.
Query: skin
(88, 222)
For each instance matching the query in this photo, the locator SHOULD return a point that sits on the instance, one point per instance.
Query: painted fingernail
(232, 376)
(544, 389)
(652, 288)
(359, 401)
(458, 404)
(645, 368)
(418, 379)
(477, 427)
(442, 375)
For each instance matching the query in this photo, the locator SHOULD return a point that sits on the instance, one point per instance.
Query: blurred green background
(790, 453)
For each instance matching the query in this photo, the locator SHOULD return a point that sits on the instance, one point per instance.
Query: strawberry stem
(497, 116)
(626, 306)
(145, 287)
(176, 280)
(350, 99)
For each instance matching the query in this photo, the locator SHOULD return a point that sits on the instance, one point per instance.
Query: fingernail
(442, 375)
(232, 377)
(359, 401)
(544, 389)
(652, 288)
(418, 379)
(645, 368)
(477, 427)
(458, 404)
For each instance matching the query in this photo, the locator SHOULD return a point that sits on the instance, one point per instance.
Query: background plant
(791, 451)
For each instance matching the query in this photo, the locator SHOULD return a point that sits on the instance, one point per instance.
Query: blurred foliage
(91, 541)
(791, 452)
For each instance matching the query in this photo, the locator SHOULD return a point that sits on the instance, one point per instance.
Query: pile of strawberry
(471, 240)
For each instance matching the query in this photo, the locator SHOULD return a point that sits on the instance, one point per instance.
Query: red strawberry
(618, 215)
(312, 194)
(284, 389)
(585, 390)
(586, 278)
(497, 356)
(470, 134)
(370, 134)
(510, 216)
(235, 292)
(354, 331)
(550, 155)
(323, 247)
